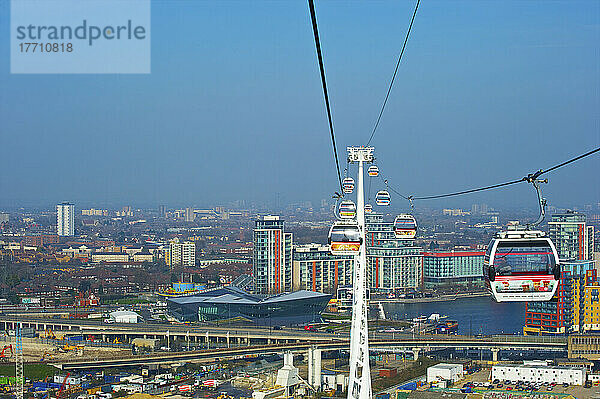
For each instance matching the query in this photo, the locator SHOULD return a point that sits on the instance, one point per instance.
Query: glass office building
(232, 303)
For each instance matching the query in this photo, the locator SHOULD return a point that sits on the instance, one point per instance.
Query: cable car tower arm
(541, 200)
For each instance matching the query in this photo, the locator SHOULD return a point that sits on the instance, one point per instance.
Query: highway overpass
(205, 335)
(416, 346)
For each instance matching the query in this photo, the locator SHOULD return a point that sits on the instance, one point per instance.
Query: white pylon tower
(359, 386)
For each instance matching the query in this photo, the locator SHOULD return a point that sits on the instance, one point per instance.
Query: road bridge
(414, 345)
(196, 335)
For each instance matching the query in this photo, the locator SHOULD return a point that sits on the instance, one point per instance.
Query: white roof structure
(125, 316)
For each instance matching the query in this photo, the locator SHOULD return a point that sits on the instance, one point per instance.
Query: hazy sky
(233, 109)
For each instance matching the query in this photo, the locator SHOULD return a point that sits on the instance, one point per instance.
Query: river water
(477, 315)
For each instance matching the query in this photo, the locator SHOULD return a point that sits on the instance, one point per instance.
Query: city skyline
(238, 85)
(299, 200)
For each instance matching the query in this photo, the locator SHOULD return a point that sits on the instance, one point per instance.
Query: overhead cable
(395, 72)
(313, 18)
(530, 178)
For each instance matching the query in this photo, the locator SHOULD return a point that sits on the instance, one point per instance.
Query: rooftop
(231, 294)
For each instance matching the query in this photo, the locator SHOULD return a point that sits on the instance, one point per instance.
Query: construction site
(48, 347)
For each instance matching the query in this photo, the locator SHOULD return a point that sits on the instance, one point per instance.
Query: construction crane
(3, 356)
(62, 386)
(20, 379)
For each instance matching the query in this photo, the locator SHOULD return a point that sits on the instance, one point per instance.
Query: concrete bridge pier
(495, 354)
(416, 352)
(314, 367)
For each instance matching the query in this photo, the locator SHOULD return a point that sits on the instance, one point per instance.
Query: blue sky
(233, 109)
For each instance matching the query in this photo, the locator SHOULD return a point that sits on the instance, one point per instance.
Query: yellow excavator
(67, 347)
(49, 333)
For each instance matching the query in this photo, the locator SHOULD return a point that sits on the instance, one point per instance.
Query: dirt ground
(34, 351)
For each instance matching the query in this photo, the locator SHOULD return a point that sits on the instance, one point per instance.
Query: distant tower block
(65, 219)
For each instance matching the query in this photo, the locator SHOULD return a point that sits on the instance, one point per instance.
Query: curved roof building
(229, 302)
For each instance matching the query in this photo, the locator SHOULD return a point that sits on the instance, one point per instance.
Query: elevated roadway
(207, 335)
(416, 346)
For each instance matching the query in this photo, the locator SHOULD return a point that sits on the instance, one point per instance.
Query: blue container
(41, 385)
(411, 386)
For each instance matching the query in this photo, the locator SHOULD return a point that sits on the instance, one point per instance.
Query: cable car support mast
(359, 386)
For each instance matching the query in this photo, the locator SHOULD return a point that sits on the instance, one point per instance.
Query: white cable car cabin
(373, 171)
(521, 266)
(405, 226)
(344, 238)
(383, 198)
(348, 185)
(368, 208)
(347, 210)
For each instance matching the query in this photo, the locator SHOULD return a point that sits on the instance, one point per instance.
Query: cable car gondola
(405, 226)
(521, 265)
(373, 171)
(383, 198)
(344, 238)
(348, 185)
(347, 210)
(368, 208)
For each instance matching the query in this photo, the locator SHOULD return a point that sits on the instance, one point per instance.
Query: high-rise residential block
(272, 258)
(65, 219)
(315, 268)
(181, 254)
(392, 264)
(565, 313)
(573, 238)
(189, 214)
